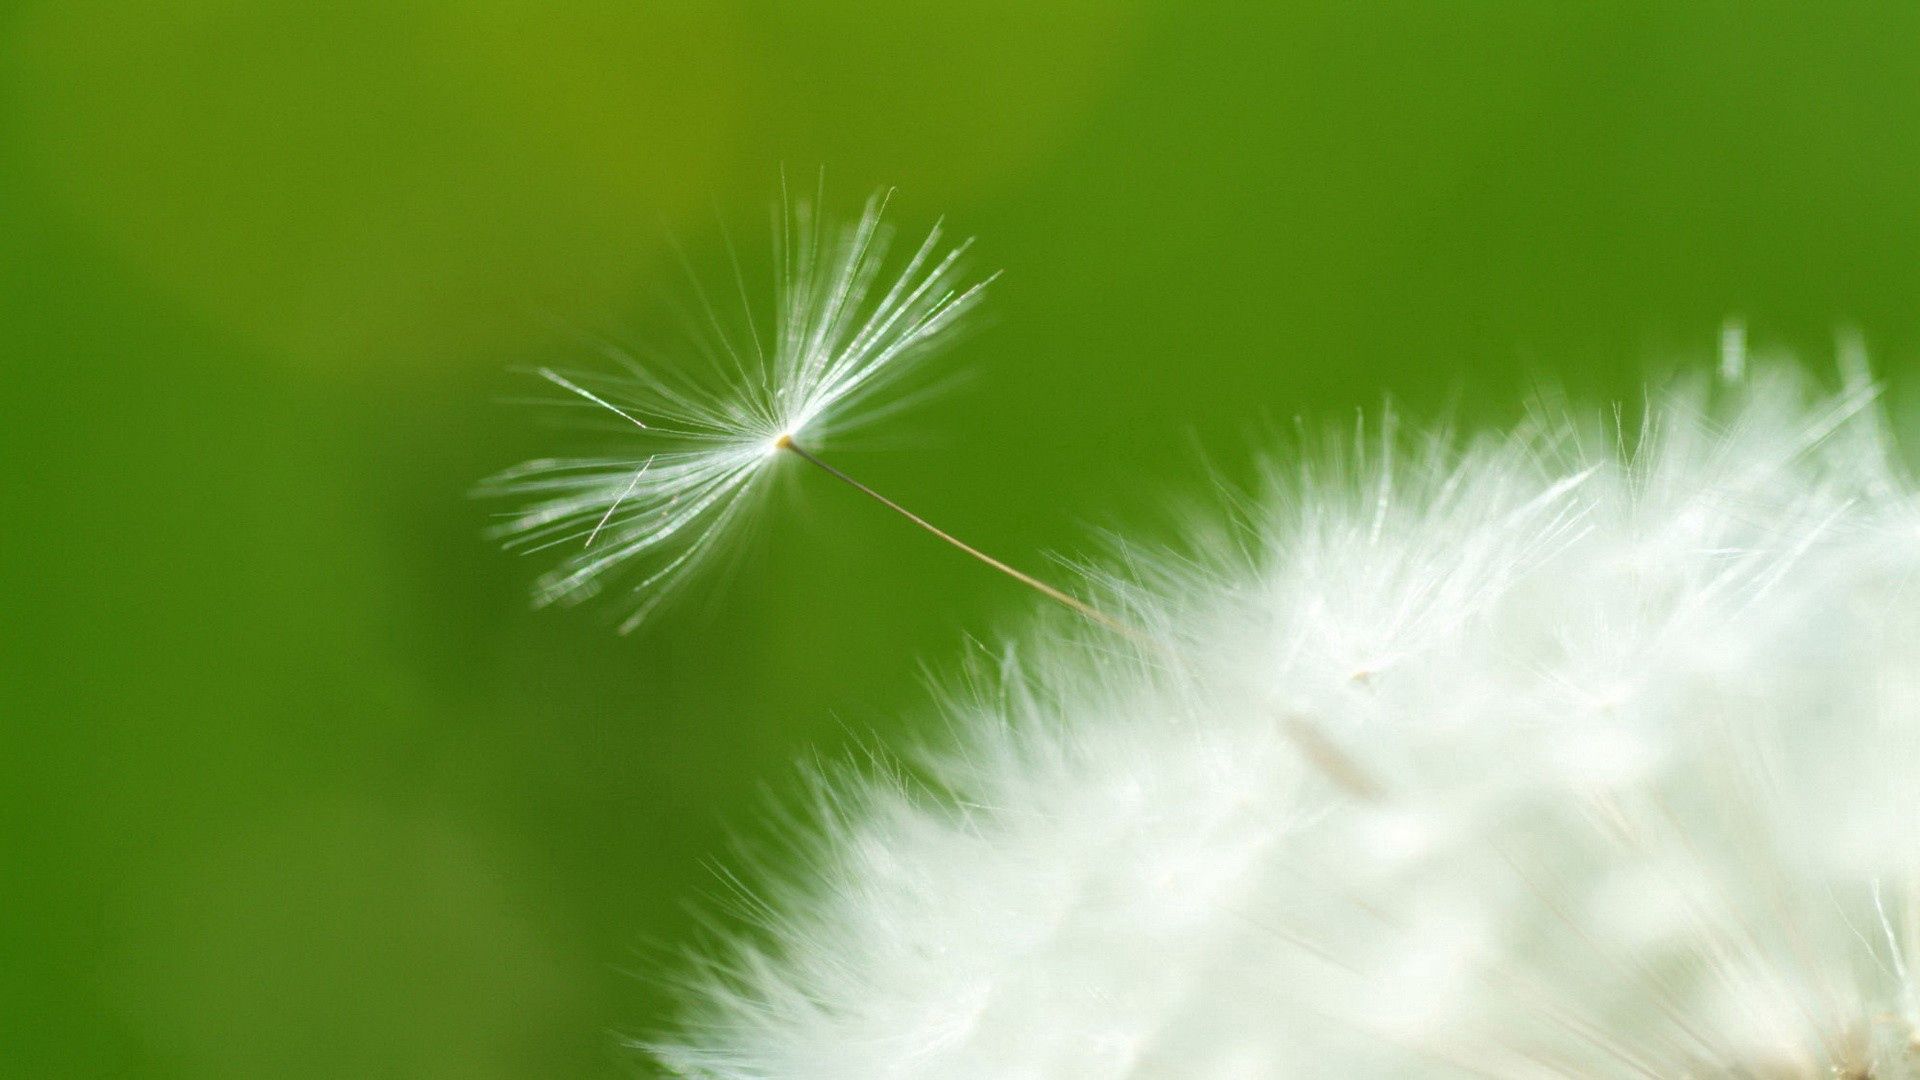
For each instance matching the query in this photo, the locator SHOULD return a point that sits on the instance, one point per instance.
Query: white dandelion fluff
(1641, 707)
(694, 435)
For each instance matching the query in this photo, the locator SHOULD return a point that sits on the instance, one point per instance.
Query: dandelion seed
(701, 448)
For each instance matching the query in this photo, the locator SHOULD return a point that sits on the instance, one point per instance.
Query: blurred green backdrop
(297, 786)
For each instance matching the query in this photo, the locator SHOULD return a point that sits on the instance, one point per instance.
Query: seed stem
(1073, 603)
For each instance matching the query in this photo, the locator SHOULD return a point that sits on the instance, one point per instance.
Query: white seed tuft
(694, 439)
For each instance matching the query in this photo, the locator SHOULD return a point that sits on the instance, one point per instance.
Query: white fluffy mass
(1635, 711)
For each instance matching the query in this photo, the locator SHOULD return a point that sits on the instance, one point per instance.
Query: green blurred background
(295, 783)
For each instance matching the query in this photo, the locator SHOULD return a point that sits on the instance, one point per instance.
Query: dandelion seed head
(689, 439)
(1642, 701)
